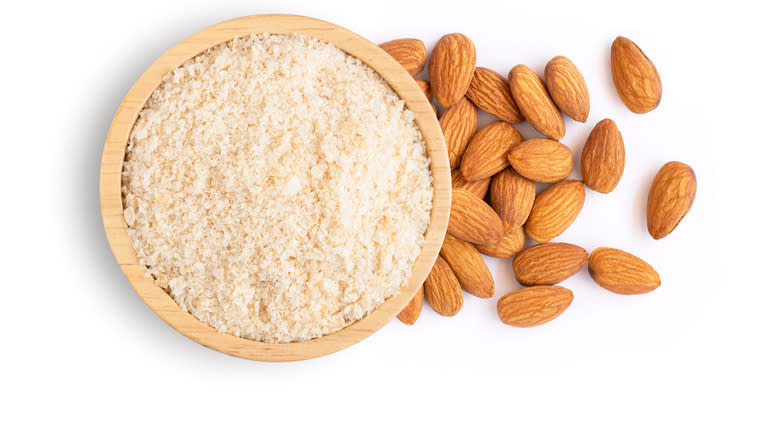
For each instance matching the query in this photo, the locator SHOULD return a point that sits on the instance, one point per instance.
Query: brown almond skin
(603, 157)
(621, 272)
(490, 92)
(486, 154)
(635, 77)
(532, 306)
(409, 52)
(541, 160)
(425, 86)
(479, 187)
(510, 244)
(472, 220)
(512, 197)
(411, 312)
(555, 209)
(442, 289)
(458, 124)
(451, 68)
(567, 88)
(469, 267)
(548, 263)
(535, 103)
(670, 199)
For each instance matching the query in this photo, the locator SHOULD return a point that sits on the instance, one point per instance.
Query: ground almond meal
(277, 188)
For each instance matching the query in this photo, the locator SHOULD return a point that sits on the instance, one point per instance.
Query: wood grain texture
(113, 156)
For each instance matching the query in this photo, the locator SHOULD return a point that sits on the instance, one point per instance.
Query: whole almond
(425, 86)
(411, 312)
(512, 197)
(535, 103)
(532, 306)
(442, 289)
(555, 209)
(472, 220)
(567, 88)
(541, 160)
(670, 198)
(458, 124)
(510, 244)
(479, 187)
(621, 272)
(472, 272)
(451, 68)
(635, 77)
(486, 154)
(409, 52)
(490, 92)
(603, 157)
(548, 263)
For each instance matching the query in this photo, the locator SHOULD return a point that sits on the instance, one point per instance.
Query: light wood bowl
(114, 153)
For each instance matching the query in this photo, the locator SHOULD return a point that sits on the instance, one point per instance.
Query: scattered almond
(532, 306)
(458, 124)
(425, 86)
(603, 157)
(555, 209)
(512, 197)
(490, 92)
(635, 77)
(486, 154)
(510, 244)
(479, 187)
(670, 198)
(411, 312)
(567, 88)
(472, 220)
(451, 68)
(535, 103)
(442, 289)
(409, 52)
(541, 160)
(621, 272)
(548, 263)
(472, 272)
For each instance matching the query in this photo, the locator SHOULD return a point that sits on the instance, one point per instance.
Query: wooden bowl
(114, 153)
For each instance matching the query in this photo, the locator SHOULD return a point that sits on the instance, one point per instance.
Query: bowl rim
(113, 157)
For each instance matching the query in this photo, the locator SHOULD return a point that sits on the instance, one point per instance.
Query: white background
(697, 357)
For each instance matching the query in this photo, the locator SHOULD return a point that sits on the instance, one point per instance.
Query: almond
(548, 263)
(533, 306)
(535, 104)
(486, 154)
(567, 88)
(635, 77)
(451, 68)
(621, 272)
(472, 220)
(490, 92)
(603, 157)
(555, 209)
(425, 86)
(409, 52)
(512, 197)
(510, 244)
(670, 198)
(541, 160)
(472, 272)
(411, 312)
(479, 187)
(442, 289)
(458, 124)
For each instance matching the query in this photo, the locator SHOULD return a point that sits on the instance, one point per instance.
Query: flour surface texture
(277, 188)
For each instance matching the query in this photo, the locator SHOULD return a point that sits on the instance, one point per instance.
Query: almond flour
(277, 188)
